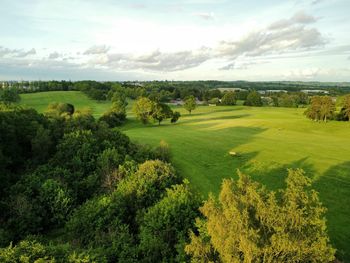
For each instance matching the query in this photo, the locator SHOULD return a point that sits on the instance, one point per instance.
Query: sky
(110, 40)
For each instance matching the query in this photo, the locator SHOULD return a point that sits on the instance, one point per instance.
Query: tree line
(323, 108)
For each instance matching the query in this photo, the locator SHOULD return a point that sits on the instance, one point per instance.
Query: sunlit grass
(268, 141)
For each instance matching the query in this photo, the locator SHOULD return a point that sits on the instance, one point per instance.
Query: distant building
(231, 89)
(308, 91)
(276, 91)
(272, 91)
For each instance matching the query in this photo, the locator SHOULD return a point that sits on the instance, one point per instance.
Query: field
(268, 140)
(39, 101)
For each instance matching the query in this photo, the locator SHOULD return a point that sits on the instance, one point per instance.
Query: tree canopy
(248, 223)
(190, 103)
(321, 108)
(253, 99)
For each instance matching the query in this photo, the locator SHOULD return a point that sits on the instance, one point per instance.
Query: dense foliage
(76, 190)
(284, 226)
(190, 104)
(88, 189)
(253, 99)
(9, 95)
(322, 108)
(145, 110)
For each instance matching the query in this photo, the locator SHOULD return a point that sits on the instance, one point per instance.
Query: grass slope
(41, 100)
(269, 140)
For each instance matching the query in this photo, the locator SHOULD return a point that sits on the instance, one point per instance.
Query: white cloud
(23, 54)
(298, 18)
(241, 65)
(205, 16)
(97, 49)
(158, 61)
(308, 73)
(54, 55)
(19, 53)
(280, 37)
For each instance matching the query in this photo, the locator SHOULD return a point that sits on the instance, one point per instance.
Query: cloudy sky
(175, 40)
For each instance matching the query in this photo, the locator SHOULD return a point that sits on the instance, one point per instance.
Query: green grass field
(268, 140)
(40, 101)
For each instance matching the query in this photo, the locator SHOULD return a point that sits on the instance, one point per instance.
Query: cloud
(6, 51)
(159, 61)
(290, 36)
(54, 55)
(308, 73)
(97, 49)
(280, 37)
(23, 54)
(241, 65)
(293, 36)
(205, 16)
(19, 53)
(138, 6)
(315, 2)
(298, 18)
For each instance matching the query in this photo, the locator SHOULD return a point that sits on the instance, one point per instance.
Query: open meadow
(40, 101)
(268, 141)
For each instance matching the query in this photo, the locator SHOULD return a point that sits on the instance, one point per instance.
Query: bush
(113, 119)
(175, 117)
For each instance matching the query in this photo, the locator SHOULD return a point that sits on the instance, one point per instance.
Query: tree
(56, 109)
(143, 109)
(164, 227)
(190, 103)
(119, 103)
(9, 95)
(321, 108)
(161, 111)
(229, 98)
(288, 101)
(253, 99)
(345, 110)
(251, 224)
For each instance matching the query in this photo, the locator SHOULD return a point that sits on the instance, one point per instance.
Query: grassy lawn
(39, 101)
(268, 140)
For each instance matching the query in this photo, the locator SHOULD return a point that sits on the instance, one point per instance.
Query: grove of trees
(253, 99)
(145, 110)
(322, 108)
(9, 95)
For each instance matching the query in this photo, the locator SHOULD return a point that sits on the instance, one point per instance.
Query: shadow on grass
(213, 111)
(273, 175)
(334, 192)
(231, 117)
(334, 189)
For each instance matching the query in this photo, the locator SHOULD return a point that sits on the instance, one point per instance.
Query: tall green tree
(229, 98)
(253, 99)
(248, 223)
(321, 108)
(345, 110)
(9, 95)
(119, 103)
(143, 109)
(161, 111)
(190, 103)
(164, 227)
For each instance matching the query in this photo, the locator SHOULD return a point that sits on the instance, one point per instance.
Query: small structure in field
(233, 153)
